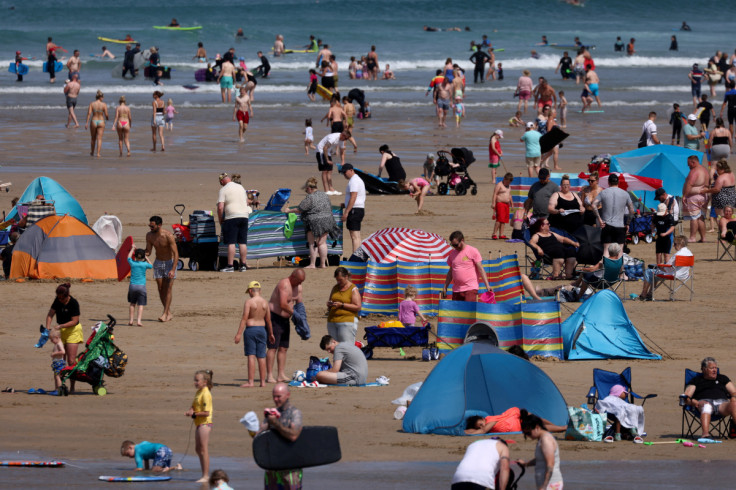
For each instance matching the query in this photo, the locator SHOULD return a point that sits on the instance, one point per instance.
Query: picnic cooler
(395, 337)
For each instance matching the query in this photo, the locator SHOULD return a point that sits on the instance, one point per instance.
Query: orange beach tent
(62, 246)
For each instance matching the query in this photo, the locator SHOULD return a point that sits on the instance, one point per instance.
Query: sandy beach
(149, 401)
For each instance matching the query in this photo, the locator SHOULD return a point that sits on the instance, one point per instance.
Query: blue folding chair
(691, 424)
(603, 381)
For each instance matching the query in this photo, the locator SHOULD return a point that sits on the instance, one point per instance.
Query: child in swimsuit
(418, 188)
(516, 121)
(459, 110)
(169, 118)
(308, 137)
(562, 109)
(388, 74)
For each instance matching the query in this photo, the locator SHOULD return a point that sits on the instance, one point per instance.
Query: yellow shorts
(72, 335)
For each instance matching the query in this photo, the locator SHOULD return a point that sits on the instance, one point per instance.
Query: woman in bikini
(589, 193)
(97, 111)
(157, 121)
(122, 124)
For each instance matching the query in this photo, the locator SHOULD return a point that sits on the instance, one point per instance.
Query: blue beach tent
(64, 202)
(601, 329)
(480, 379)
(665, 162)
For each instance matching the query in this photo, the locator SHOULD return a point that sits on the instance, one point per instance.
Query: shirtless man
(256, 323)
(241, 113)
(50, 46)
(164, 267)
(71, 91)
(442, 100)
(591, 85)
(372, 58)
(694, 204)
(336, 116)
(201, 55)
(226, 78)
(286, 294)
(323, 55)
(278, 45)
(501, 205)
(545, 95)
(578, 66)
(74, 64)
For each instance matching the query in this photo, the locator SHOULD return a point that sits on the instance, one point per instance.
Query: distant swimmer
(201, 55)
(278, 45)
(129, 38)
(431, 29)
(535, 55)
(485, 43)
(673, 43)
(630, 47)
(239, 33)
(544, 42)
(685, 27)
(105, 54)
(174, 23)
(312, 46)
(619, 45)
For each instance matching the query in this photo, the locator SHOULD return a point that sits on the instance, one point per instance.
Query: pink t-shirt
(462, 263)
(408, 311)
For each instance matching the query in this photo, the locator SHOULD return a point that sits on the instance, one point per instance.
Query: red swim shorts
(502, 212)
(243, 116)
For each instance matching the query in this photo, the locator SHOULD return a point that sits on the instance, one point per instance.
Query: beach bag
(117, 362)
(585, 425)
(643, 140)
(316, 365)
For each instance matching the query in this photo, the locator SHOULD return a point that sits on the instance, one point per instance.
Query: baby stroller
(456, 173)
(101, 357)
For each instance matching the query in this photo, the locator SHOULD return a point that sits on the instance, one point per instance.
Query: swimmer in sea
(174, 23)
(431, 29)
(122, 124)
(105, 54)
(591, 84)
(685, 27)
(239, 33)
(201, 55)
(388, 74)
(535, 55)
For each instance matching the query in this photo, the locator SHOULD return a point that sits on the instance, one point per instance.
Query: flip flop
(494, 237)
(608, 439)
(638, 440)
(40, 391)
(53, 393)
(503, 237)
(32, 391)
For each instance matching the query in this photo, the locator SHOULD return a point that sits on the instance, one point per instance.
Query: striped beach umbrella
(628, 182)
(406, 245)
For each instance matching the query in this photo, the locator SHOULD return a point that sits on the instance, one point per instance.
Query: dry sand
(149, 401)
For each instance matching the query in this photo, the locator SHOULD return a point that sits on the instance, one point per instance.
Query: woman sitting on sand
(345, 305)
(122, 124)
(97, 111)
(418, 188)
(552, 245)
(316, 213)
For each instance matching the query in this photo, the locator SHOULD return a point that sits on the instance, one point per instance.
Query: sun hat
(499, 133)
(692, 117)
(430, 156)
(661, 209)
(616, 390)
(529, 125)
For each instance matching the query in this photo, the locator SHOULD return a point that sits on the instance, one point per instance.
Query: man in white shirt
(649, 131)
(325, 148)
(233, 212)
(354, 204)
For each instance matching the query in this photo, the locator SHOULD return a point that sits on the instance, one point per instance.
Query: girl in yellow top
(201, 412)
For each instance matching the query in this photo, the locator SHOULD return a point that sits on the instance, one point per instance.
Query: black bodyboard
(316, 446)
(377, 185)
(552, 138)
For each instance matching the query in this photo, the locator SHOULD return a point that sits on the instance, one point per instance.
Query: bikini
(97, 122)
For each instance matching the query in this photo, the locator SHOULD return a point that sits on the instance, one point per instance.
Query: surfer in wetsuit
(565, 66)
(619, 46)
(174, 23)
(480, 58)
(51, 65)
(128, 62)
(685, 27)
(265, 67)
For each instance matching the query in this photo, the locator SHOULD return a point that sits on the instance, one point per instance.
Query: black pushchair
(456, 173)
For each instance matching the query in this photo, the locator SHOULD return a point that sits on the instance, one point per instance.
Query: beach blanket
(630, 415)
(315, 384)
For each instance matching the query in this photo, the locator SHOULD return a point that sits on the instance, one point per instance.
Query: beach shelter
(481, 379)
(601, 329)
(64, 202)
(665, 162)
(60, 247)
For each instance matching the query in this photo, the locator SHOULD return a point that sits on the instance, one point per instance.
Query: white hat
(661, 209)
(692, 117)
(529, 125)
(499, 133)
(430, 156)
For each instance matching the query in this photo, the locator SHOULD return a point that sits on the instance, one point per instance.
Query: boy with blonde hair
(57, 357)
(256, 322)
(147, 451)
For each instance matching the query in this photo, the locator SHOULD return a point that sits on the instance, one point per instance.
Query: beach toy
(706, 440)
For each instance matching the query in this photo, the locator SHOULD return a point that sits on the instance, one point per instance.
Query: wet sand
(149, 401)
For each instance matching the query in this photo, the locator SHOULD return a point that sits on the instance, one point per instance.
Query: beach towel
(631, 416)
(299, 319)
(315, 384)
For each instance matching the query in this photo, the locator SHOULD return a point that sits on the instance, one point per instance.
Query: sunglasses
(592, 180)
(455, 245)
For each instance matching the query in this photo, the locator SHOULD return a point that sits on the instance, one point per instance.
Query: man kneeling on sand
(349, 366)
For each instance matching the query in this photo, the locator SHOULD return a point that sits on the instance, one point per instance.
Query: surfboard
(20, 70)
(49, 464)
(590, 112)
(134, 478)
(138, 60)
(324, 92)
(121, 258)
(58, 66)
(316, 446)
(179, 28)
(118, 41)
(552, 138)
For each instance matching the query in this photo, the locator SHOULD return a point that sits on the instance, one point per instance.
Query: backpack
(315, 366)
(643, 139)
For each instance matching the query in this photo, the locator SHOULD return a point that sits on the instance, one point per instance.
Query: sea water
(653, 78)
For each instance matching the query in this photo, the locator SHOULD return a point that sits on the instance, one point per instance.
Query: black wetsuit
(619, 46)
(480, 58)
(358, 96)
(676, 122)
(265, 67)
(155, 61)
(129, 63)
(566, 67)
(730, 99)
(50, 65)
(705, 115)
(18, 61)
(673, 45)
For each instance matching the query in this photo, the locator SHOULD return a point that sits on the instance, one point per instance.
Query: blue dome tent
(64, 202)
(601, 329)
(481, 379)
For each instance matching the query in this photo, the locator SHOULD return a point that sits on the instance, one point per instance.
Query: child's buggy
(600, 163)
(640, 227)
(196, 241)
(102, 357)
(455, 172)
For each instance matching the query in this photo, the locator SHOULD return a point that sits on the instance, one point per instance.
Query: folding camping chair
(673, 283)
(611, 278)
(603, 381)
(535, 267)
(691, 417)
(728, 249)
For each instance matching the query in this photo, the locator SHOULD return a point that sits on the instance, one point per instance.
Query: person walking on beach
(354, 206)
(286, 294)
(325, 148)
(466, 268)
(501, 205)
(533, 151)
(201, 413)
(649, 132)
(286, 421)
(123, 124)
(71, 92)
(524, 89)
(137, 296)
(97, 112)
(241, 113)
(442, 100)
(696, 78)
(164, 267)
(546, 459)
(233, 212)
(226, 78)
(157, 120)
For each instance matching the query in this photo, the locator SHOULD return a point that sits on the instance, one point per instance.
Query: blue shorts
(226, 82)
(255, 342)
(57, 365)
(593, 89)
(163, 457)
(695, 90)
(137, 295)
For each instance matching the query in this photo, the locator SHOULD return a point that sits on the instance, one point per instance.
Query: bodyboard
(117, 41)
(316, 446)
(378, 185)
(121, 258)
(134, 478)
(552, 138)
(20, 70)
(178, 28)
(48, 464)
(324, 92)
(58, 66)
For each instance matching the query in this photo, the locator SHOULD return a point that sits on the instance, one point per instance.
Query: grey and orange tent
(62, 246)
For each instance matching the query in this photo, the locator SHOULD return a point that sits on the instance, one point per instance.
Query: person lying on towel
(349, 366)
(509, 421)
